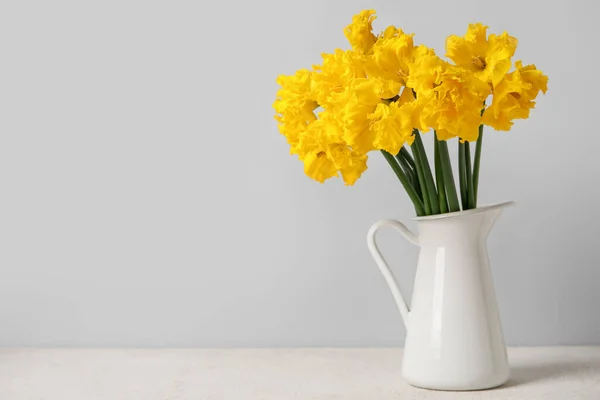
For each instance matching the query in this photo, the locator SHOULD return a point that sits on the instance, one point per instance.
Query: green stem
(477, 163)
(427, 175)
(410, 173)
(404, 181)
(462, 174)
(406, 163)
(421, 177)
(406, 154)
(439, 177)
(448, 177)
(470, 191)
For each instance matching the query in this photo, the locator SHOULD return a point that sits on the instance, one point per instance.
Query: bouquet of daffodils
(385, 92)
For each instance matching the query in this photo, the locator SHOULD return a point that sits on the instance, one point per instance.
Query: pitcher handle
(383, 267)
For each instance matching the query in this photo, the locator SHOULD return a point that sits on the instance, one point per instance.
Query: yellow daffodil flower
(392, 127)
(333, 77)
(426, 71)
(514, 96)
(375, 95)
(360, 32)
(294, 105)
(325, 155)
(375, 124)
(488, 57)
(363, 98)
(389, 60)
(459, 103)
(451, 97)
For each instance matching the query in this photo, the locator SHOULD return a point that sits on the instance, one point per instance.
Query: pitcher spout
(466, 226)
(491, 214)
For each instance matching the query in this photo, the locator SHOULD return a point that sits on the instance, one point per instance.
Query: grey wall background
(147, 199)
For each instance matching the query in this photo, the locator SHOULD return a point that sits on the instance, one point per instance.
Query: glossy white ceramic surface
(454, 337)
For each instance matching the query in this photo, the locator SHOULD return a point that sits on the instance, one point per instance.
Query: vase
(454, 337)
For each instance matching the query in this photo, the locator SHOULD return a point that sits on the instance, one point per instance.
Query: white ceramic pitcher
(454, 337)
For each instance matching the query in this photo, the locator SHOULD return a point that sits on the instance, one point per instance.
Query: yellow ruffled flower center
(479, 62)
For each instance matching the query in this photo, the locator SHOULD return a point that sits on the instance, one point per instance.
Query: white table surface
(561, 373)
